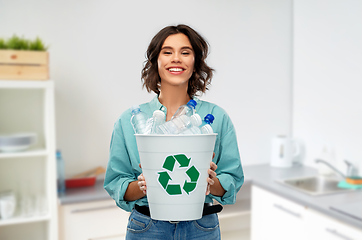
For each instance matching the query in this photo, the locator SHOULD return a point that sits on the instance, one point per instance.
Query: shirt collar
(155, 104)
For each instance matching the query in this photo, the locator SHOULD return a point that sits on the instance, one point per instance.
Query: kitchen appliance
(284, 151)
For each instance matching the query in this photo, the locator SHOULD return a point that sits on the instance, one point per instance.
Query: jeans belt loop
(173, 222)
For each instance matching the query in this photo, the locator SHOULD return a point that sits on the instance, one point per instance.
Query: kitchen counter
(265, 177)
(261, 175)
(84, 194)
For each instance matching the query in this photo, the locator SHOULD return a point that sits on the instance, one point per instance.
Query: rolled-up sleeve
(119, 170)
(229, 169)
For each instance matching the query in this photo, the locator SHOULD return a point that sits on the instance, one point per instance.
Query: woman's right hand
(142, 182)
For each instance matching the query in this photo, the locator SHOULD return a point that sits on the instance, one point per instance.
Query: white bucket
(175, 168)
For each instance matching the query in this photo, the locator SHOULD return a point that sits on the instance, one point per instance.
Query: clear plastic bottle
(187, 109)
(139, 120)
(203, 128)
(60, 172)
(206, 124)
(158, 118)
(179, 124)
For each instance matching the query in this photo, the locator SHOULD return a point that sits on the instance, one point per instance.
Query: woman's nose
(176, 58)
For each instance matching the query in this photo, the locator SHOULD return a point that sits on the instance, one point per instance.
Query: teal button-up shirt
(123, 165)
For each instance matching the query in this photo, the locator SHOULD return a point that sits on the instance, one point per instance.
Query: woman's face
(176, 60)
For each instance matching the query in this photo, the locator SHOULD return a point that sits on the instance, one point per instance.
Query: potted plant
(23, 59)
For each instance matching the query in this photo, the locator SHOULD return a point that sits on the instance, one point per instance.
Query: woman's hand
(212, 175)
(142, 182)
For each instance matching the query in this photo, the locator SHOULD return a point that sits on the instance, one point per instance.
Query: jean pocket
(138, 223)
(207, 223)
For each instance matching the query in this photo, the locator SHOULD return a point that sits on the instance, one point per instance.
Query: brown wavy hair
(202, 75)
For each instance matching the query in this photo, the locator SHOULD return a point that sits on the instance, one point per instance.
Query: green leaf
(21, 43)
(37, 45)
(2, 44)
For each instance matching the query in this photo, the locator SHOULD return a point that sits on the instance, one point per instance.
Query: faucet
(351, 169)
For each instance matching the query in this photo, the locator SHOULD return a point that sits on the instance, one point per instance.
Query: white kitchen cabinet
(274, 217)
(323, 227)
(92, 220)
(28, 106)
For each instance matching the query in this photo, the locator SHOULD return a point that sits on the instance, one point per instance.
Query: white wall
(327, 78)
(97, 50)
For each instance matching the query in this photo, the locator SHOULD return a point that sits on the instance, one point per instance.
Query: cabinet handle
(335, 233)
(93, 209)
(288, 211)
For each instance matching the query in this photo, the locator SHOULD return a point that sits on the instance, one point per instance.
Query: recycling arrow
(164, 177)
(194, 176)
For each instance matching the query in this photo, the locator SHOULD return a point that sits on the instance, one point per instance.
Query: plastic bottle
(206, 124)
(187, 109)
(158, 118)
(179, 124)
(139, 120)
(60, 172)
(203, 128)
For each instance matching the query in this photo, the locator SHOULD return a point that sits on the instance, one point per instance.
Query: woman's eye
(185, 53)
(167, 53)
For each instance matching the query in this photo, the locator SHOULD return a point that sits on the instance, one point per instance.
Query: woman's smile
(176, 70)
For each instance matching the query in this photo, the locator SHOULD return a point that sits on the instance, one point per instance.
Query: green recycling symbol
(164, 177)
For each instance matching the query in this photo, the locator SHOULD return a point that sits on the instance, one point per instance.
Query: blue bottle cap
(58, 153)
(209, 118)
(135, 108)
(192, 103)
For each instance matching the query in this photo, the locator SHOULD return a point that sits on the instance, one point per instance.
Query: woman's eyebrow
(168, 47)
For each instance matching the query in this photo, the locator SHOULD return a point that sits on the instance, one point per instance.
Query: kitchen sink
(315, 185)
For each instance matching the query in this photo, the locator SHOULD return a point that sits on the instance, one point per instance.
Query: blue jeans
(143, 227)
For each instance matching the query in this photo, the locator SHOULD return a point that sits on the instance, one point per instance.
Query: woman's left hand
(212, 175)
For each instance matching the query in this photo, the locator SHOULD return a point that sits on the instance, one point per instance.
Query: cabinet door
(324, 227)
(273, 217)
(92, 220)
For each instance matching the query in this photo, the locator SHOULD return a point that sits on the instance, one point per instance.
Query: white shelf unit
(28, 106)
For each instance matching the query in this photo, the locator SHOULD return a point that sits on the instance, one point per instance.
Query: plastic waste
(60, 172)
(206, 124)
(203, 128)
(139, 120)
(158, 118)
(187, 109)
(179, 124)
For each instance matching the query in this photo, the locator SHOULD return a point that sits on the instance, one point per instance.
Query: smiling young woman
(175, 69)
(176, 61)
